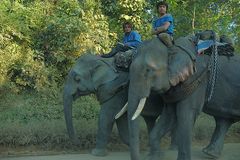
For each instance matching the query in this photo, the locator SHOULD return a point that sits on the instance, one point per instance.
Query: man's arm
(135, 41)
(132, 43)
(161, 29)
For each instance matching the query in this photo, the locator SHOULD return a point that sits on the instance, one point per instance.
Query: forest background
(41, 39)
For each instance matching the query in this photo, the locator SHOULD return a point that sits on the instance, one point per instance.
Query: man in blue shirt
(163, 27)
(131, 40)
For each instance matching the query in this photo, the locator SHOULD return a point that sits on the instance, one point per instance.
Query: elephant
(97, 75)
(188, 86)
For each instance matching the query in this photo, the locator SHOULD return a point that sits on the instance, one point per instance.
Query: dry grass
(32, 119)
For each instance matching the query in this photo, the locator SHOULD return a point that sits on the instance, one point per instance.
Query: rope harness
(213, 68)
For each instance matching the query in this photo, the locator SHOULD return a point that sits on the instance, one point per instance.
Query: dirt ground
(231, 152)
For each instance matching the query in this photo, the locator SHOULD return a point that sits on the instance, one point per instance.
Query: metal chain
(213, 72)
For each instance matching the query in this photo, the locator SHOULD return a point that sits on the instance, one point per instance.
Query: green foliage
(128, 10)
(26, 107)
(97, 37)
(20, 68)
(31, 118)
(40, 39)
(194, 16)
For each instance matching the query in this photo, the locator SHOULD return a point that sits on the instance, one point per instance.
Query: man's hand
(158, 30)
(161, 29)
(154, 32)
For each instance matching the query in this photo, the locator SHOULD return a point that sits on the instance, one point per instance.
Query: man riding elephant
(96, 75)
(93, 74)
(163, 26)
(131, 40)
(189, 83)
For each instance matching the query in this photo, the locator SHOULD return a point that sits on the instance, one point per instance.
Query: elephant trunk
(136, 100)
(68, 100)
(135, 105)
(133, 128)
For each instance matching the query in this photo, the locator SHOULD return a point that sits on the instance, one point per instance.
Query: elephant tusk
(123, 110)
(139, 108)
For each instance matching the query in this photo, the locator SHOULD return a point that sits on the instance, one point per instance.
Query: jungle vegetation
(41, 39)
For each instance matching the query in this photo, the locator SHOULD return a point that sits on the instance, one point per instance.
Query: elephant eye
(77, 78)
(149, 72)
(148, 69)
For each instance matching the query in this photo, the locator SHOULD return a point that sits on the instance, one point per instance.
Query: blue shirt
(160, 22)
(132, 39)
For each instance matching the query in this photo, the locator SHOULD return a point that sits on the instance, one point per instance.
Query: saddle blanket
(206, 44)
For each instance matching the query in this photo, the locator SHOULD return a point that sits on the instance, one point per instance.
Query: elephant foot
(99, 152)
(212, 152)
(155, 155)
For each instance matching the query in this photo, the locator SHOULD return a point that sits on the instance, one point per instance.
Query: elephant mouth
(159, 91)
(80, 93)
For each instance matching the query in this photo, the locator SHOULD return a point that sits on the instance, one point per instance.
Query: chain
(213, 71)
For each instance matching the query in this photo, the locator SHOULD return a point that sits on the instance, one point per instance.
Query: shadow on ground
(231, 152)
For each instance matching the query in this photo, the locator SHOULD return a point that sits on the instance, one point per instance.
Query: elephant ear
(108, 90)
(181, 66)
(102, 73)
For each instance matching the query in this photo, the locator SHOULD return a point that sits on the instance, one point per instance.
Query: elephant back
(225, 100)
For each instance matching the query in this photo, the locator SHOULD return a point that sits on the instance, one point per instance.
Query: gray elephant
(93, 74)
(181, 76)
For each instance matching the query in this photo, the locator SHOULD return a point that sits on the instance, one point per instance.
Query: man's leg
(115, 50)
(166, 39)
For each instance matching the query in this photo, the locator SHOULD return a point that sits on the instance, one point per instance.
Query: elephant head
(156, 67)
(89, 75)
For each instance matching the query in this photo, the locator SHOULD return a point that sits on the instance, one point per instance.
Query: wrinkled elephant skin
(160, 69)
(93, 74)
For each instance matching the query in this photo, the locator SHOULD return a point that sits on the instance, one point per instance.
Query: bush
(40, 40)
(32, 119)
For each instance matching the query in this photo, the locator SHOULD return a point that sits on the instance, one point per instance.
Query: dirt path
(231, 152)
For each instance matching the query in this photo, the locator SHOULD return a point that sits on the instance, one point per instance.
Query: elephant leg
(162, 126)
(150, 122)
(184, 132)
(215, 147)
(173, 145)
(122, 125)
(106, 121)
(105, 125)
(187, 111)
